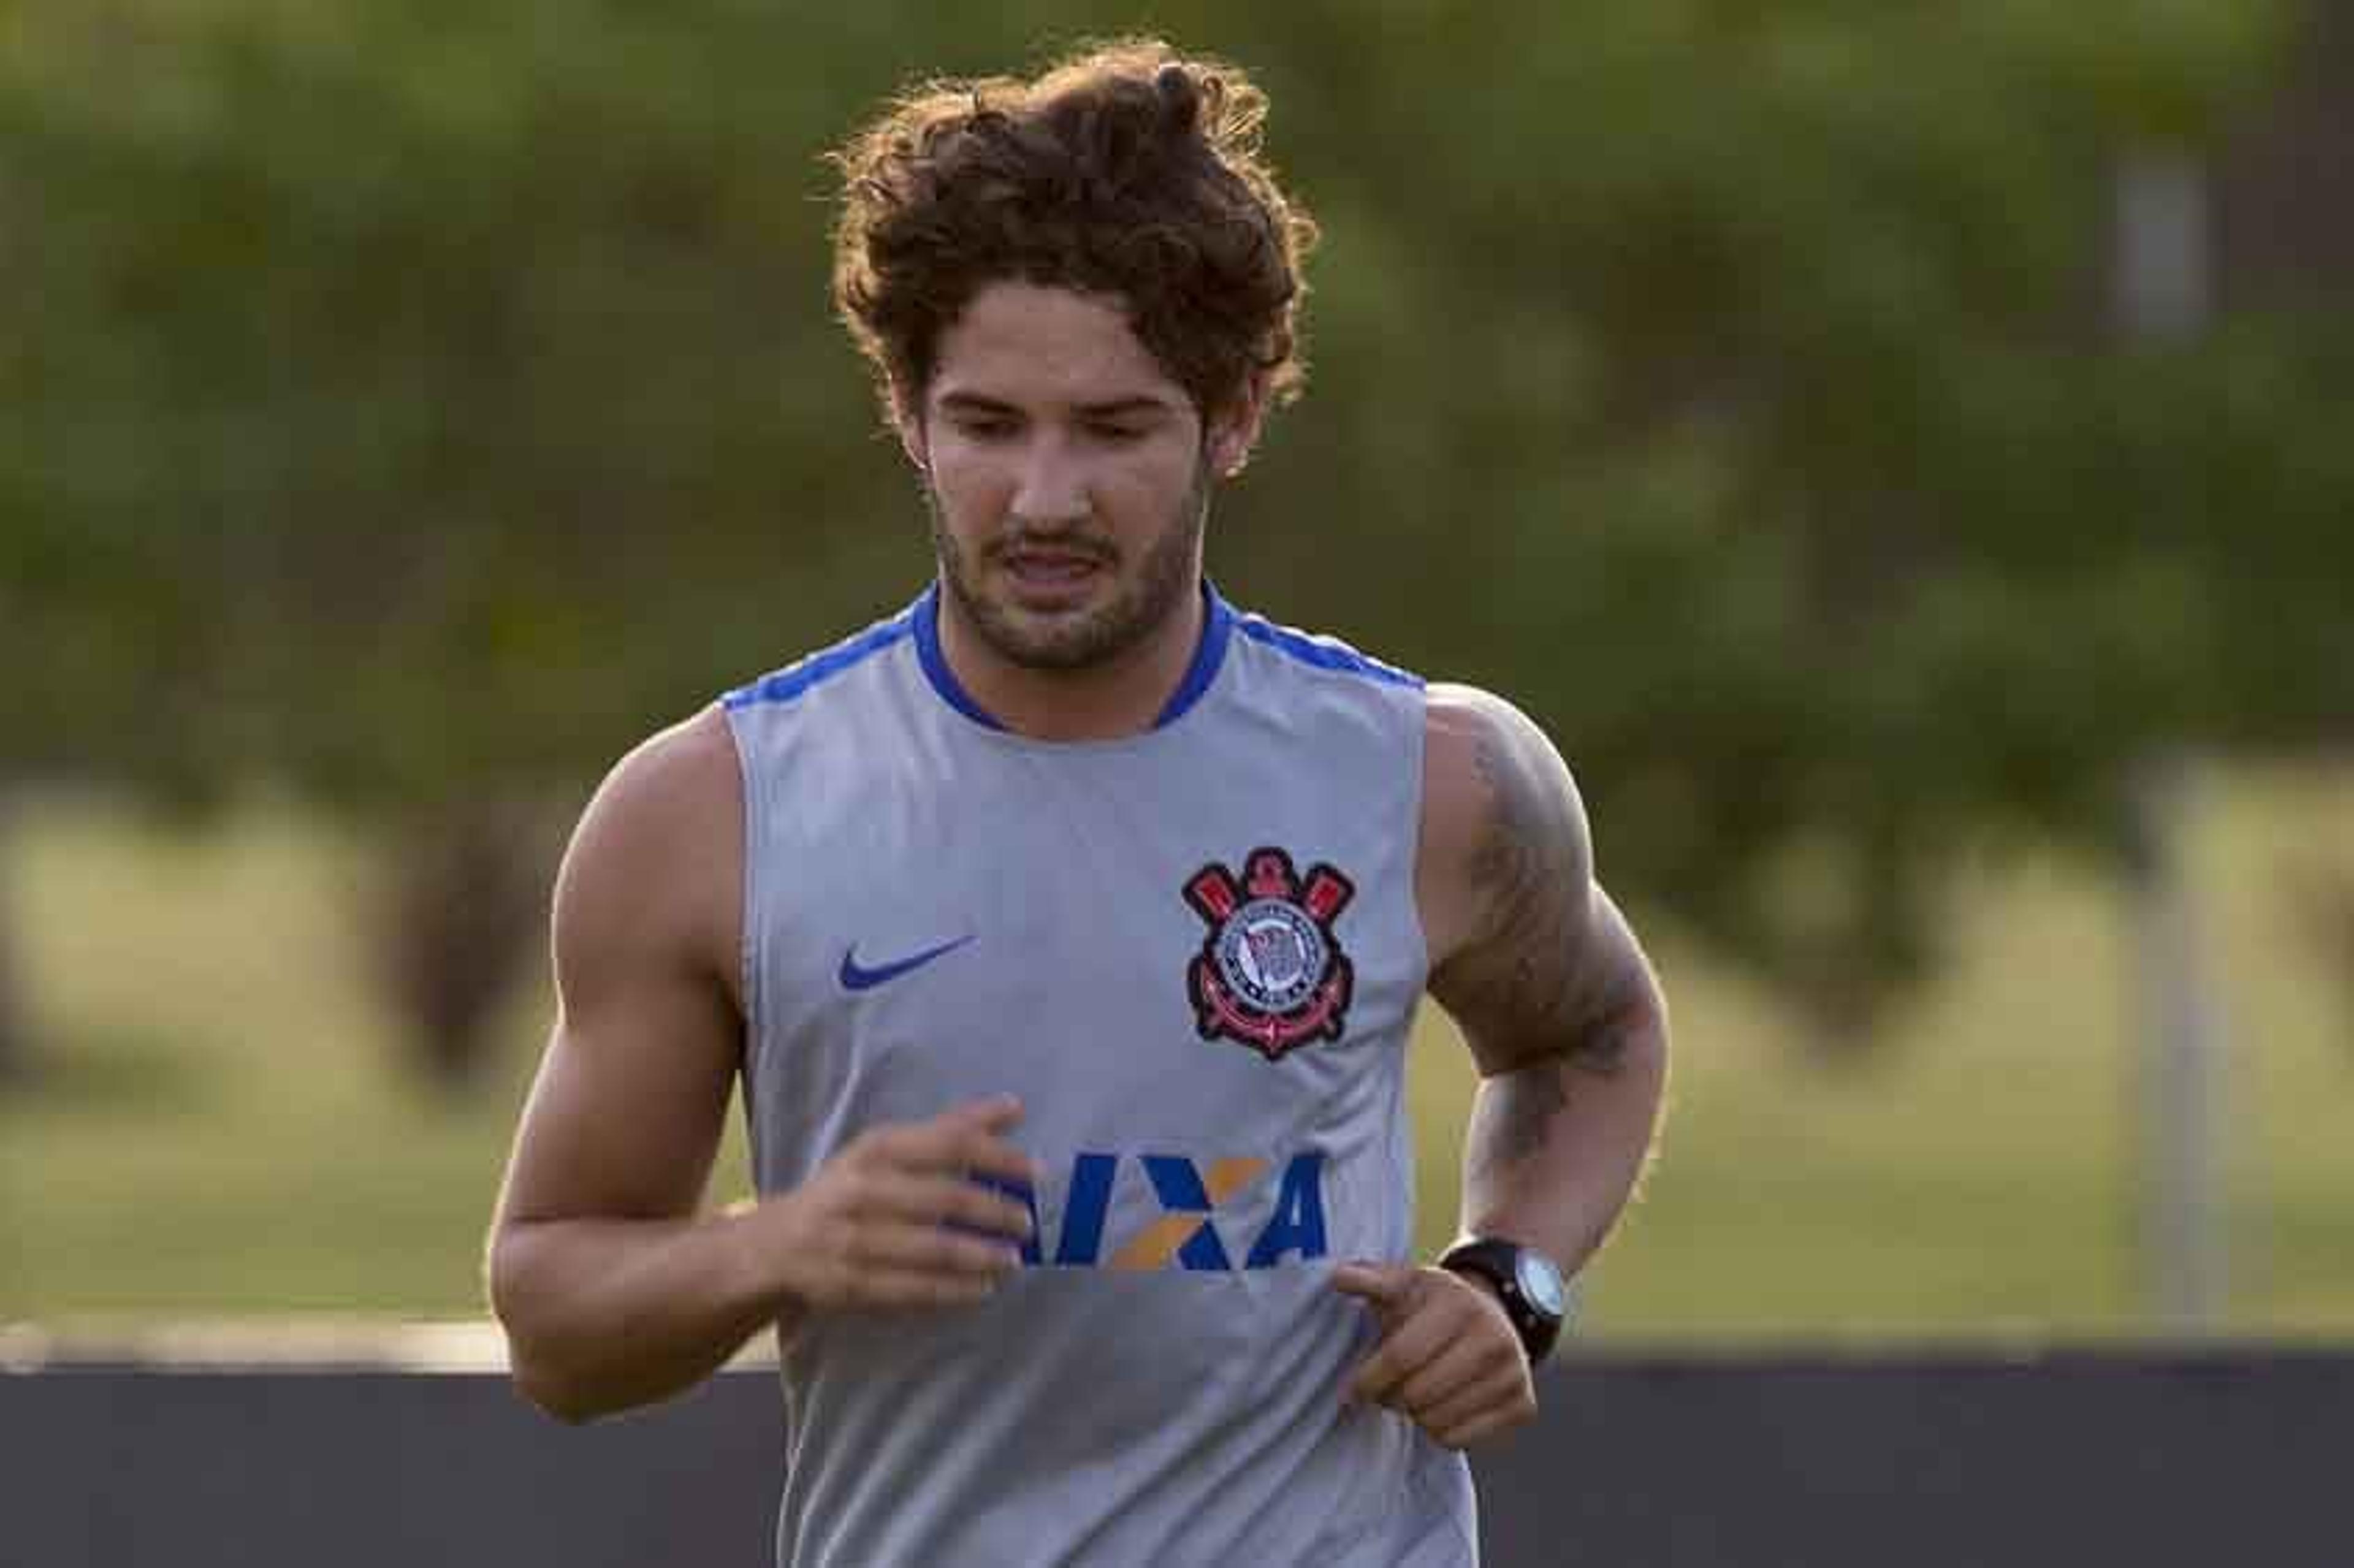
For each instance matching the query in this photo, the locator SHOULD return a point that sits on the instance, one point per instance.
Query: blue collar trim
(925, 613)
(1218, 626)
(1209, 656)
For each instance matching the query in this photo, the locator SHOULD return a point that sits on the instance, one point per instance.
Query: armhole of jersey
(748, 971)
(1403, 1153)
(1418, 748)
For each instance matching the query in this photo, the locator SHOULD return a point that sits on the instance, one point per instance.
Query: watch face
(1540, 1283)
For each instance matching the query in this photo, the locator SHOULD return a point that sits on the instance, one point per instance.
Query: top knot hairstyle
(1126, 171)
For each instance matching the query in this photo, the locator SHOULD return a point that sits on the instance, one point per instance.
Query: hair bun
(1180, 98)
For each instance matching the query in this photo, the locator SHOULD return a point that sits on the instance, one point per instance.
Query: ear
(1234, 430)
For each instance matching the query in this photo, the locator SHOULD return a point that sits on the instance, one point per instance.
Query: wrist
(763, 1276)
(1484, 1285)
(1527, 1286)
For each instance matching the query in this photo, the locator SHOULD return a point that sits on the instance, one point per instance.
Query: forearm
(602, 1314)
(1557, 1144)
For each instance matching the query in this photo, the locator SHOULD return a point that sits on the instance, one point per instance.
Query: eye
(985, 427)
(1118, 435)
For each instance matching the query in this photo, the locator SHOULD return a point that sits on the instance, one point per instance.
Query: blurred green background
(409, 405)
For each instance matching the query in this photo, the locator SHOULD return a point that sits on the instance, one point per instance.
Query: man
(1066, 931)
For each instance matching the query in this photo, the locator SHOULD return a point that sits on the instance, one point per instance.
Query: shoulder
(1501, 816)
(1330, 699)
(784, 688)
(657, 857)
(666, 786)
(1486, 764)
(1316, 651)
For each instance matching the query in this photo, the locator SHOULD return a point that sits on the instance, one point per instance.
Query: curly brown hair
(1126, 170)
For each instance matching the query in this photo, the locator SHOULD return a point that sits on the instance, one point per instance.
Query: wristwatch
(1536, 1295)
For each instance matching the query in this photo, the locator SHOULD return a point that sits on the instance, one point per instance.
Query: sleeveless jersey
(1193, 954)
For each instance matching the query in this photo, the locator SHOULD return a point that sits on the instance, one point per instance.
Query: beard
(1141, 601)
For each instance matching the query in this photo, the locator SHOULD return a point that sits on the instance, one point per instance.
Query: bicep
(1538, 955)
(625, 1116)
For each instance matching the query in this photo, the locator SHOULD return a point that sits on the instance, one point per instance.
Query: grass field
(222, 1132)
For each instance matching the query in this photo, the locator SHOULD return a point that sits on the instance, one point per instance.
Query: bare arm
(1536, 965)
(614, 1288)
(1569, 1032)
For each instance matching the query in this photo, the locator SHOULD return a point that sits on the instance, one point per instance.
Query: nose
(1050, 487)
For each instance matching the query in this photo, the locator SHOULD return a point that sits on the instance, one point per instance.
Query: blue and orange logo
(1201, 1209)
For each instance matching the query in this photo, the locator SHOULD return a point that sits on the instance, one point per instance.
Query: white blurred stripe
(296, 1344)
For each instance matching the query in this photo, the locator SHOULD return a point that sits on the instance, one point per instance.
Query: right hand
(899, 1217)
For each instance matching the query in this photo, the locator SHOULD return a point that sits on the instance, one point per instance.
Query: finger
(1475, 1397)
(949, 1201)
(993, 1158)
(1476, 1347)
(989, 1118)
(916, 1289)
(979, 1206)
(927, 1249)
(996, 1113)
(1487, 1424)
(1458, 1364)
(1402, 1353)
(974, 1156)
(1383, 1284)
(968, 1139)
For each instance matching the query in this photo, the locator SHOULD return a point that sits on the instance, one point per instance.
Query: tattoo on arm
(1536, 880)
(1512, 1117)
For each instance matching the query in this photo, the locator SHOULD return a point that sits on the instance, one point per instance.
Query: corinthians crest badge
(1270, 974)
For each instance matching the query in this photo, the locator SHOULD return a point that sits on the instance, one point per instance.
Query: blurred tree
(449, 917)
(15, 1044)
(404, 420)
(417, 402)
(2319, 896)
(1800, 491)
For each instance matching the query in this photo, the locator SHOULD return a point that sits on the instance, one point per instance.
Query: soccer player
(1064, 931)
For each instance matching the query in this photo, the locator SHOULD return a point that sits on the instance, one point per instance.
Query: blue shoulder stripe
(796, 679)
(1324, 652)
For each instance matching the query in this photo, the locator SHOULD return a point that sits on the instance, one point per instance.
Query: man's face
(1068, 476)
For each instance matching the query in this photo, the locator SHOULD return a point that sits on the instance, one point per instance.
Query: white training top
(1195, 955)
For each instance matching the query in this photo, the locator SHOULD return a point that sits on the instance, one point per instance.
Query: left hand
(1448, 1359)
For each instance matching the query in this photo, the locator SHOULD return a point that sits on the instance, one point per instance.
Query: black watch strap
(1506, 1266)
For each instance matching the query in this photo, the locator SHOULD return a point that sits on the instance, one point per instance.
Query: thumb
(1382, 1283)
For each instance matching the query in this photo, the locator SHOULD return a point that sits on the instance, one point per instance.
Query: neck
(1110, 701)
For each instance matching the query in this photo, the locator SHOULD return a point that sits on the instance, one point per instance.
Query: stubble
(1102, 635)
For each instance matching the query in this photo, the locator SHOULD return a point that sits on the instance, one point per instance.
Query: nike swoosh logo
(858, 977)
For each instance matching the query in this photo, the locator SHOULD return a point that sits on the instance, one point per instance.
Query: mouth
(1051, 575)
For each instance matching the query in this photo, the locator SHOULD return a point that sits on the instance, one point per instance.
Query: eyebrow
(1109, 408)
(1115, 407)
